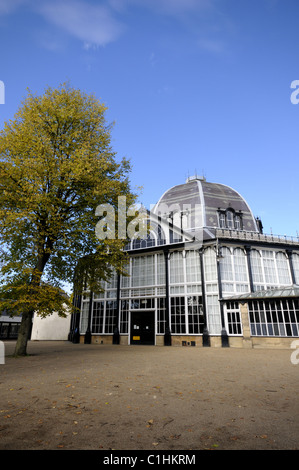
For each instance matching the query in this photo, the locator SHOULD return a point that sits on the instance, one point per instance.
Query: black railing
(244, 235)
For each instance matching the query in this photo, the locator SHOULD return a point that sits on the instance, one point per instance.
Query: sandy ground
(98, 397)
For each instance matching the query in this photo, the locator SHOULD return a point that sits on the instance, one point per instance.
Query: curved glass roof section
(201, 203)
(282, 292)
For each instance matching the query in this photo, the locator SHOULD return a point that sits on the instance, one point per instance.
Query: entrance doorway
(142, 328)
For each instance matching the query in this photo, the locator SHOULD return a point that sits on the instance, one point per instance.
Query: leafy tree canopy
(56, 166)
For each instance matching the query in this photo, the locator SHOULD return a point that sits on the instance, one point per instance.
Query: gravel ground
(112, 397)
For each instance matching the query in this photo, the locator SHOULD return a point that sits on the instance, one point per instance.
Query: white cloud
(92, 24)
(96, 23)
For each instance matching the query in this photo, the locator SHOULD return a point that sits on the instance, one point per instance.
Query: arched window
(143, 271)
(176, 220)
(160, 269)
(147, 242)
(238, 222)
(283, 268)
(161, 238)
(269, 267)
(210, 265)
(176, 268)
(230, 219)
(222, 222)
(125, 280)
(226, 269)
(155, 236)
(256, 266)
(240, 265)
(193, 267)
(296, 266)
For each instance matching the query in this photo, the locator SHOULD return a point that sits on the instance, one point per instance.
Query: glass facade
(144, 289)
(276, 317)
(295, 260)
(269, 269)
(183, 288)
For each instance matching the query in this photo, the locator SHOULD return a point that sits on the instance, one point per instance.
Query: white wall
(51, 327)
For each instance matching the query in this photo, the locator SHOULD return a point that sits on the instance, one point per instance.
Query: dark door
(142, 328)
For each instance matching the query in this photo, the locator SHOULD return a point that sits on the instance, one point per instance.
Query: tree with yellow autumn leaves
(56, 166)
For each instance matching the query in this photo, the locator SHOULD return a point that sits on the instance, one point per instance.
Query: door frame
(153, 312)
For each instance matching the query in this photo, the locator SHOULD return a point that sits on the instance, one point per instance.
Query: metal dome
(198, 204)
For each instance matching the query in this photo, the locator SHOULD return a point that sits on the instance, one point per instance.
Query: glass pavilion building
(205, 275)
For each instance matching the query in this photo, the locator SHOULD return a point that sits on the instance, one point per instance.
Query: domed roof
(206, 205)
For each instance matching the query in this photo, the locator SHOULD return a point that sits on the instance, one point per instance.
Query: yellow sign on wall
(136, 338)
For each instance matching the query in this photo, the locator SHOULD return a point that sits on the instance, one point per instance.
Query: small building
(52, 327)
(9, 326)
(205, 275)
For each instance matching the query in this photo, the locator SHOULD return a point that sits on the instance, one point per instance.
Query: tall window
(110, 317)
(143, 272)
(160, 269)
(269, 267)
(233, 270)
(195, 314)
(84, 317)
(193, 267)
(161, 315)
(214, 317)
(97, 317)
(222, 221)
(230, 219)
(233, 318)
(210, 265)
(112, 282)
(226, 269)
(240, 265)
(176, 268)
(283, 271)
(124, 316)
(256, 266)
(296, 266)
(161, 238)
(125, 279)
(178, 320)
(238, 224)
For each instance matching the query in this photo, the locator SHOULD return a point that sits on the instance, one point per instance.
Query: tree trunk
(26, 323)
(24, 334)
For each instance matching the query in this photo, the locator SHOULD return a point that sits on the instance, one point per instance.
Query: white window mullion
(185, 290)
(104, 314)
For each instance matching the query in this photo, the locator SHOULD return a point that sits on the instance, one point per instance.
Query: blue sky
(192, 85)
